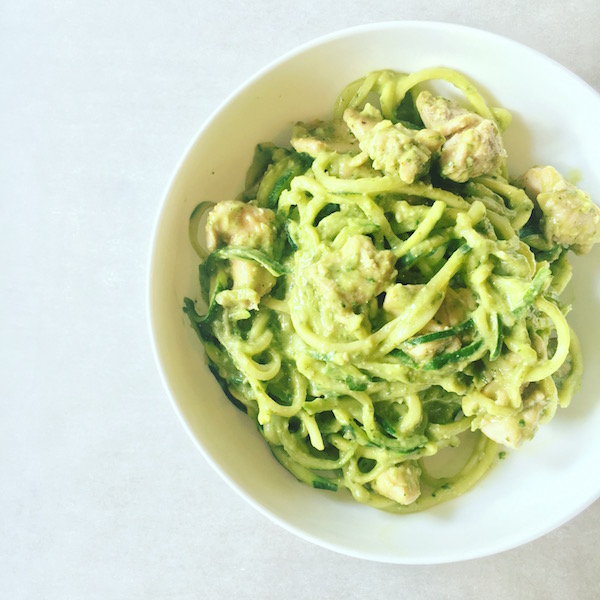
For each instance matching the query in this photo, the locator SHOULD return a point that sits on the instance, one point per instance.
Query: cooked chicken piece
(427, 350)
(393, 148)
(250, 283)
(514, 430)
(473, 144)
(345, 279)
(354, 274)
(445, 116)
(570, 217)
(452, 311)
(455, 307)
(472, 152)
(320, 136)
(235, 223)
(400, 483)
(538, 180)
(399, 297)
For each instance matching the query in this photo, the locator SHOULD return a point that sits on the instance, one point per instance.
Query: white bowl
(555, 121)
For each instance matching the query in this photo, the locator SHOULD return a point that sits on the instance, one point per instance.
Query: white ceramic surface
(556, 120)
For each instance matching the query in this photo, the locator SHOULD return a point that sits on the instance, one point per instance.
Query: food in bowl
(383, 290)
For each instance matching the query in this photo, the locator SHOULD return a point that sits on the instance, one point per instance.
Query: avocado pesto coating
(382, 288)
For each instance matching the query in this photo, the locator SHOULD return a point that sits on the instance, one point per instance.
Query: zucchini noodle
(382, 291)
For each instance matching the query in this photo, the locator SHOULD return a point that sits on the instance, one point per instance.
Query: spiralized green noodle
(366, 323)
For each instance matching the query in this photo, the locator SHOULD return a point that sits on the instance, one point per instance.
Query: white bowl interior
(555, 121)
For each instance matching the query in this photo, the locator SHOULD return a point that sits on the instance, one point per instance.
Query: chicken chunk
(445, 116)
(473, 144)
(400, 483)
(512, 431)
(347, 162)
(427, 350)
(348, 278)
(355, 273)
(399, 297)
(323, 136)
(570, 217)
(393, 148)
(472, 152)
(452, 311)
(235, 223)
(539, 180)
(250, 283)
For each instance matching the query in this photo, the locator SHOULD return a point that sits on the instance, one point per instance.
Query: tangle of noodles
(366, 319)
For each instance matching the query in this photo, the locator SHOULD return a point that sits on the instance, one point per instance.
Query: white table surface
(102, 494)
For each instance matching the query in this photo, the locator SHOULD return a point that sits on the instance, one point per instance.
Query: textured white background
(102, 494)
